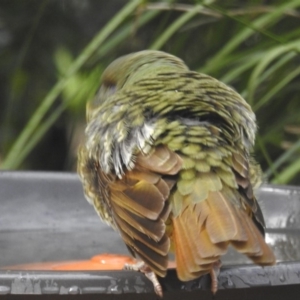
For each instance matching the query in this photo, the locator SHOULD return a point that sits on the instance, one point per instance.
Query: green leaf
(263, 21)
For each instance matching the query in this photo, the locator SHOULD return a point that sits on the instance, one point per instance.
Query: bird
(167, 162)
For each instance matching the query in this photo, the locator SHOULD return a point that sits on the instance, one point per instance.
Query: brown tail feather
(255, 247)
(203, 232)
(251, 246)
(222, 224)
(266, 256)
(191, 242)
(186, 267)
(203, 251)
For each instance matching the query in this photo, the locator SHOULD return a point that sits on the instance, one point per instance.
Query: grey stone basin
(44, 217)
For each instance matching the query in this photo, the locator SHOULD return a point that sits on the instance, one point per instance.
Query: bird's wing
(139, 206)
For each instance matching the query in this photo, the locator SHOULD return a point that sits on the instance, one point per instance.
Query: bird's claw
(142, 267)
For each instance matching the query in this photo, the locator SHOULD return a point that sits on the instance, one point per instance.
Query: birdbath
(47, 228)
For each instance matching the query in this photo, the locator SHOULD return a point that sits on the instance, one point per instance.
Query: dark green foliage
(53, 52)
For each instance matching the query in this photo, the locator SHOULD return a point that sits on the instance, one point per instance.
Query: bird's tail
(203, 231)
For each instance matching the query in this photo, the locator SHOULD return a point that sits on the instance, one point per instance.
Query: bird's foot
(214, 273)
(142, 267)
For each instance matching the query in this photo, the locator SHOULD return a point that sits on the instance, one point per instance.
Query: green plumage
(167, 162)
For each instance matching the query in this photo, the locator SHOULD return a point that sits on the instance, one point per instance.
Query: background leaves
(53, 53)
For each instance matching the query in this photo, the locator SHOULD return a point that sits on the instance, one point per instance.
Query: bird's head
(128, 69)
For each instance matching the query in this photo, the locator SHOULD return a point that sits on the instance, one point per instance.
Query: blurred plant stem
(16, 154)
(175, 26)
(18, 65)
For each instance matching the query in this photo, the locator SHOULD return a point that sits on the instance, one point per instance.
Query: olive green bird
(166, 162)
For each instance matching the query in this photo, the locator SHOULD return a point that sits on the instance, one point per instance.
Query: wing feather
(140, 207)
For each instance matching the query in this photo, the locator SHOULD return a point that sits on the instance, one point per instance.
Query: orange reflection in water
(104, 261)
